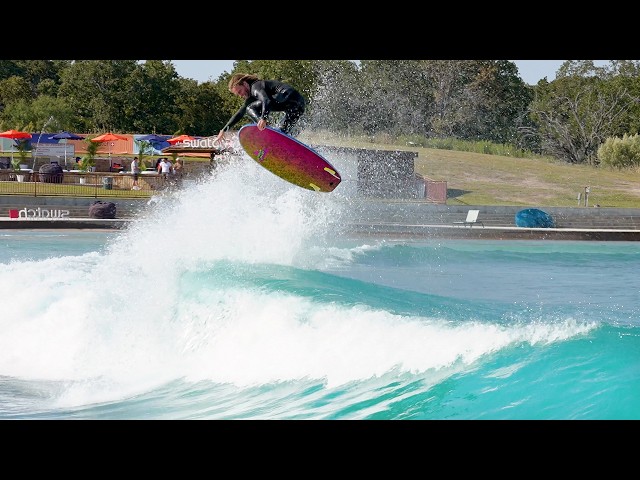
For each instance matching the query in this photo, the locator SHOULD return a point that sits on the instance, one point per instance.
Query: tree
(33, 114)
(89, 160)
(38, 71)
(394, 96)
(97, 90)
(153, 93)
(13, 89)
(498, 99)
(22, 149)
(337, 98)
(9, 68)
(580, 68)
(145, 149)
(574, 115)
(201, 108)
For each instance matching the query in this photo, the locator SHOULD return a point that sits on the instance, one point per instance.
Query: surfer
(263, 97)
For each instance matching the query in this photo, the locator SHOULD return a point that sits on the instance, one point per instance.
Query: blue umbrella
(66, 136)
(153, 138)
(156, 141)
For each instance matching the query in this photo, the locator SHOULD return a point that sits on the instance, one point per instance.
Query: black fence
(80, 184)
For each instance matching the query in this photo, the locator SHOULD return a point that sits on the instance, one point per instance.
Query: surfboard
(288, 158)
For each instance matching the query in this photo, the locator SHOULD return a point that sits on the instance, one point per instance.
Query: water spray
(33, 166)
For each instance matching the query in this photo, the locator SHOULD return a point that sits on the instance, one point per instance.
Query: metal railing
(80, 184)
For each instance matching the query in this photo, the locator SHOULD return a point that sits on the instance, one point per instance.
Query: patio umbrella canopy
(108, 137)
(180, 139)
(153, 138)
(64, 136)
(158, 142)
(15, 135)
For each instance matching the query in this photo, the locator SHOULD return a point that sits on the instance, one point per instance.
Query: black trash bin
(107, 183)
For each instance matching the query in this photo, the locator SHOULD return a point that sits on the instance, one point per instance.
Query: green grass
(68, 190)
(481, 179)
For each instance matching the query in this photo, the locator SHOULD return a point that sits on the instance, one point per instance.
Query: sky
(204, 70)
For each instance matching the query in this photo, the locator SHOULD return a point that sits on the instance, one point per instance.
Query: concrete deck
(373, 217)
(62, 224)
(417, 232)
(397, 231)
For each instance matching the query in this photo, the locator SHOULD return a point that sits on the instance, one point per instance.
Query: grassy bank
(481, 179)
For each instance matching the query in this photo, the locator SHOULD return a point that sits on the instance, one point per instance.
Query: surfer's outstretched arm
(233, 120)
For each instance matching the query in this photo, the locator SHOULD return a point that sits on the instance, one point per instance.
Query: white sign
(54, 150)
(27, 213)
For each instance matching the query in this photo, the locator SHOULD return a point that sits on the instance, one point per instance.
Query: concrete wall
(382, 173)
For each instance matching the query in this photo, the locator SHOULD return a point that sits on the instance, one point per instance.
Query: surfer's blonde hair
(237, 78)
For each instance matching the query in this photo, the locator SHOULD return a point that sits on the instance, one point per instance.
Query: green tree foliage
(467, 99)
(201, 108)
(99, 92)
(145, 149)
(23, 147)
(574, 115)
(31, 115)
(38, 71)
(500, 102)
(13, 89)
(153, 89)
(336, 99)
(89, 160)
(9, 68)
(619, 152)
(629, 118)
(295, 72)
(581, 68)
(390, 94)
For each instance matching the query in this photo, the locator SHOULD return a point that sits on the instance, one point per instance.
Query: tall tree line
(477, 100)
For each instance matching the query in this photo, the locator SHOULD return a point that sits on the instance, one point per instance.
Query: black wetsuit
(267, 96)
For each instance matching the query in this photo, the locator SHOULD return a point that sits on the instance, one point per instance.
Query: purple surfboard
(288, 158)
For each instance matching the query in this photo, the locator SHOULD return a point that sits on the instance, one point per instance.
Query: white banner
(54, 150)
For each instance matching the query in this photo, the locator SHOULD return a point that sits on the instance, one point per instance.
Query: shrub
(619, 152)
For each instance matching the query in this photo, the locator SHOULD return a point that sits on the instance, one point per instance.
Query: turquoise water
(241, 298)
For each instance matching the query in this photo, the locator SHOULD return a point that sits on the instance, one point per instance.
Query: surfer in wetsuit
(261, 98)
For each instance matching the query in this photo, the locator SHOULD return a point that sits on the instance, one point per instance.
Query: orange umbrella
(180, 139)
(15, 135)
(108, 137)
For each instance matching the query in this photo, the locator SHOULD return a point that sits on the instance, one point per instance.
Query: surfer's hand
(220, 135)
(262, 124)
